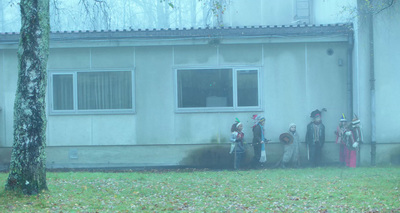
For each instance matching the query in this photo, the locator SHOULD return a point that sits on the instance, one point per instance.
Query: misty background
(120, 14)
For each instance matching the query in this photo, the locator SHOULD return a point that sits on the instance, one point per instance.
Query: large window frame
(75, 110)
(235, 107)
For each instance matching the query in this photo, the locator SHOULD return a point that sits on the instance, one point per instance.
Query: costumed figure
(340, 130)
(237, 144)
(350, 149)
(259, 141)
(357, 139)
(291, 144)
(315, 138)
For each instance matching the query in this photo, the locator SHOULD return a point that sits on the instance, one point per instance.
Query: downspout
(372, 88)
(350, 47)
(350, 74)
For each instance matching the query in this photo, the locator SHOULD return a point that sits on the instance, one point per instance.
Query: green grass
(310, 190)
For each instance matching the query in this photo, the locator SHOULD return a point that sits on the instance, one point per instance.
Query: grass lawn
(311, 190)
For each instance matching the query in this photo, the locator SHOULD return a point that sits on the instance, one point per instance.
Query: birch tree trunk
(28, 158)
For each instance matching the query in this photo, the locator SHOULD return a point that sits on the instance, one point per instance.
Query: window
(302, 11)
(205, 88)
(247, 88)
(92, 92)
(63, 92)
(224, 89)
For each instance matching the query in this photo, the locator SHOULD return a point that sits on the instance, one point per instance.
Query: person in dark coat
(259, 142)
(315, 138)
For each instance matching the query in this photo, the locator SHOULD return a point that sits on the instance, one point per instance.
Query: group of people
(349, 136)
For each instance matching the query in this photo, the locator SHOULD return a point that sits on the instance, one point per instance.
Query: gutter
(350, 104)
(372, 88)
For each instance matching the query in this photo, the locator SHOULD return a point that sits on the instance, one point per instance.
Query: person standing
(353, 138)
(291, 150)
(356, 128)
(315, 138)
(259, 141)
(340, 130)
(350, 149)
(237, 148)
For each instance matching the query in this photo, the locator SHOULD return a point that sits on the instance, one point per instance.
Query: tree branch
(387, 6)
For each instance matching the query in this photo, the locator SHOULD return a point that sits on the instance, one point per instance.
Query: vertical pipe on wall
(3, 110)
(372, 88)
(350, 82)
(350, 75)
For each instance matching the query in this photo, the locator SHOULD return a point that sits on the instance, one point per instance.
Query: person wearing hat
(357, 130)
(315, 138)
(259, 141)
(353, 140)
(237, 147)
(291, 144)
(340, 131)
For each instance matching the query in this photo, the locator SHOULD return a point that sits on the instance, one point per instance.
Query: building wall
(387, 63)
(296, 78)
(2, 117)
(8, 87)
(261, 12)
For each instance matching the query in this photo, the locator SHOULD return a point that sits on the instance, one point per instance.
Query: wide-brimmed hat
(317, 113)
(286, 138)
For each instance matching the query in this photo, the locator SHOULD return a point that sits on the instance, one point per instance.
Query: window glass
(247, 88)
(63, 92)
(205, 88)
(104, 90)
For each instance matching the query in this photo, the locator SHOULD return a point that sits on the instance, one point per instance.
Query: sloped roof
(180, 33)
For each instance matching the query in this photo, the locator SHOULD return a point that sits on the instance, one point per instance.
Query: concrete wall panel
(154, 95)
(9, 77)
(110, 57)
(192, 128)
(284, 85)
(387, 74)
(69, 131)
(243, 55)
(327, 82)
(74, 58)
(114, 130)
(195, 55)
(2, 100)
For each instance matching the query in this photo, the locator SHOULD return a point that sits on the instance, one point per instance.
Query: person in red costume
(340, 130)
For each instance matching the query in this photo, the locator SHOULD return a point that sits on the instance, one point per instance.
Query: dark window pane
(104, 90)
(205, 88)
(247, 88)
(63, 98)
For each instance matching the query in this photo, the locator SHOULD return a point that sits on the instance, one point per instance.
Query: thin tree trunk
(166, 14)
(28, 158)
(1, 16)
(193, 13)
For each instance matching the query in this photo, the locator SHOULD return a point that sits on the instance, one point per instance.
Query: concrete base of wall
(213, 156)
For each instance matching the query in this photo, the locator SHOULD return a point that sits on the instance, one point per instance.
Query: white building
(168, 97)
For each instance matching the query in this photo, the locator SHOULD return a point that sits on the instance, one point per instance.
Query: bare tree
(97, 13)
(1, 16)
(213, 12)
(366, 8)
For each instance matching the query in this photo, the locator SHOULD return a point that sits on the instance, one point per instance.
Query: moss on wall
(214, 157)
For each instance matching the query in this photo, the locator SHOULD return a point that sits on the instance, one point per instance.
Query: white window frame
(75, 110)
(235, 107)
